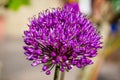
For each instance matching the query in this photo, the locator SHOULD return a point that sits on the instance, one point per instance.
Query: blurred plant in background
(116, 5)
(14, 4)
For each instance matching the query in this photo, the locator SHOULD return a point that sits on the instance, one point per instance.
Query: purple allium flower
(61, 37)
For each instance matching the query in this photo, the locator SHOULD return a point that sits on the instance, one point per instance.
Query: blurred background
(14, 16)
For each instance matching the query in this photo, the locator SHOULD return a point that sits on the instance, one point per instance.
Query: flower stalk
(56, 74)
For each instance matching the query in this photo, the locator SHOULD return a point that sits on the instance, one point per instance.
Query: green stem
(56, 74)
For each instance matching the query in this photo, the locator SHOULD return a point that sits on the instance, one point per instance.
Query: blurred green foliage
(16, 4)
(115, 5)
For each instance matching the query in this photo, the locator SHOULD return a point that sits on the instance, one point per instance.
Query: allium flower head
(61, 37)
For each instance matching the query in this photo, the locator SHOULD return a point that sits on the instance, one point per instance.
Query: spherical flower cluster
(61, 37)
